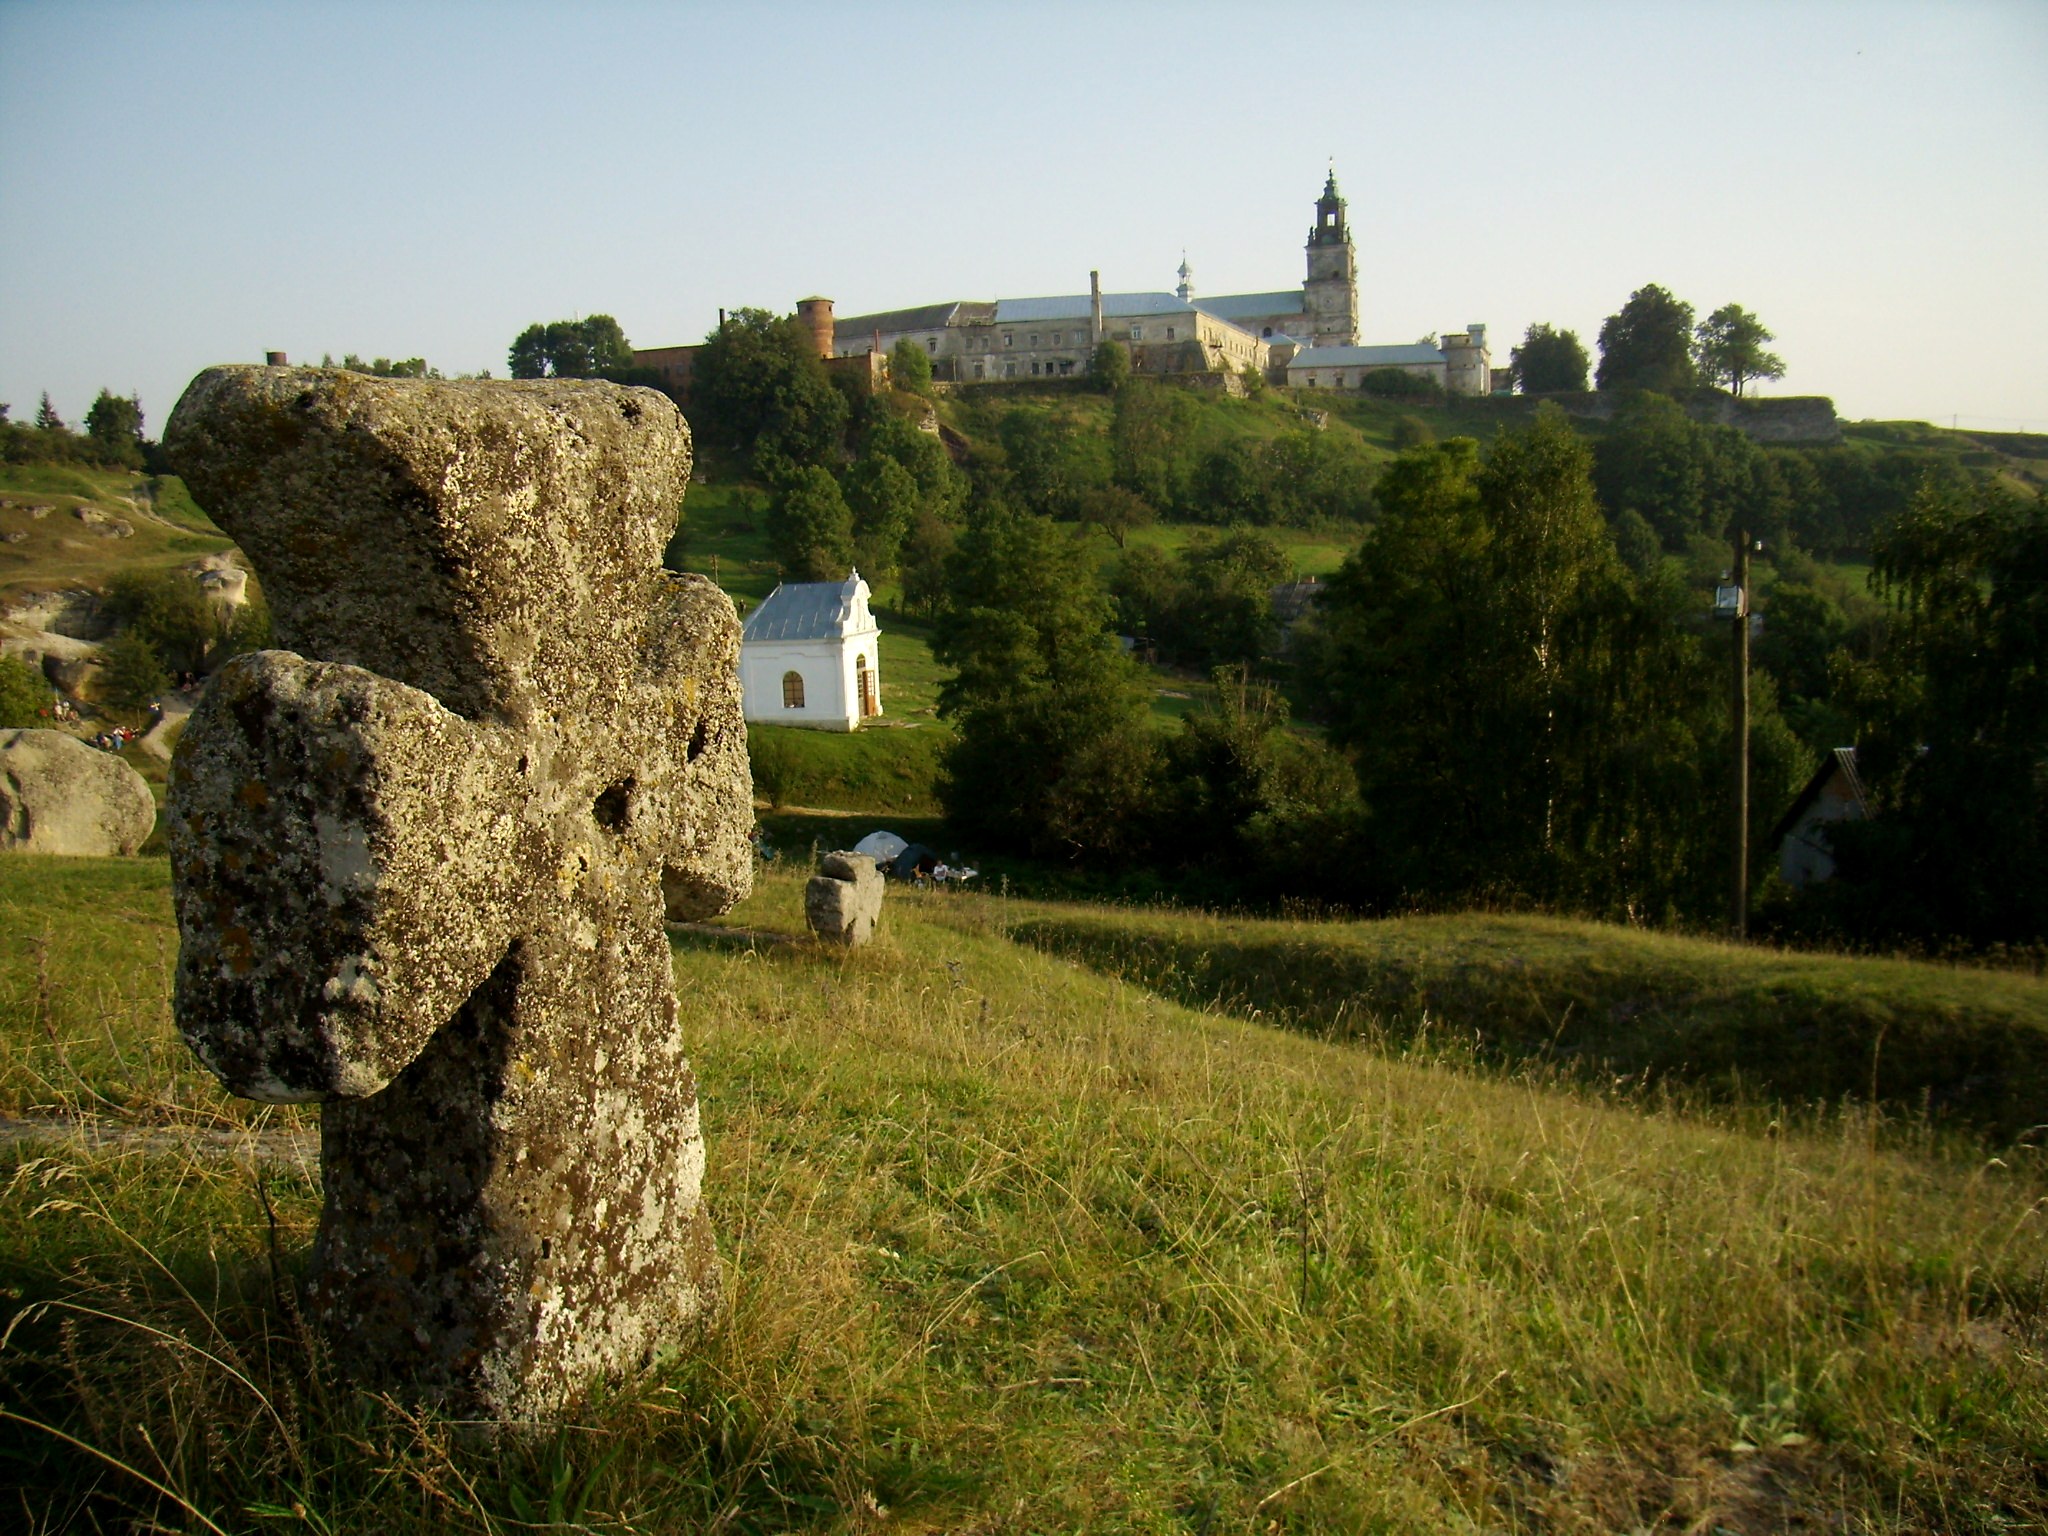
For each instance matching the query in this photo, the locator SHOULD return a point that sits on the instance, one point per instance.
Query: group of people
(116, 739)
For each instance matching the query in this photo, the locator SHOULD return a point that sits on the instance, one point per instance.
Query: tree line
(1512, 709)
(112, 439)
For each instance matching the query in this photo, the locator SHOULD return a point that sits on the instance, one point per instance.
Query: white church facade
(810, 655)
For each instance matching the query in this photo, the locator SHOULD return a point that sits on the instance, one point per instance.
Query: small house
(810, 656)
(1833, 794)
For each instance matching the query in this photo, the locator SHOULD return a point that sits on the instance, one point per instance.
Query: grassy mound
(1011, 1245)
(1603, 1001)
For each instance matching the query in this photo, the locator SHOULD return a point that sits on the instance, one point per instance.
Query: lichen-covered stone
(843, 901)
(58, 795)
(423, 855)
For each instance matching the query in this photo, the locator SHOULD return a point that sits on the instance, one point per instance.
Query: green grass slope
(1603, 1002)
(60, 549)
(1011, 1245)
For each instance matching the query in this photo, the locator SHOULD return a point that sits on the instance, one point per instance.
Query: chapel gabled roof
(811, 610)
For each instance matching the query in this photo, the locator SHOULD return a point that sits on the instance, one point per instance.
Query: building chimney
(274, 360)
(1095, 308)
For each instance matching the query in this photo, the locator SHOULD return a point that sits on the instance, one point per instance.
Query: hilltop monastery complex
(1306, 335)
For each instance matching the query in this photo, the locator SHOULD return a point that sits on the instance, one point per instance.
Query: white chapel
(809, 656)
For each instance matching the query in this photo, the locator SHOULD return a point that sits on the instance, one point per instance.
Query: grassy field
(1012, 1244)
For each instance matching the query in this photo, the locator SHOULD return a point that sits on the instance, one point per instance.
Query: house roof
(1248, 306)
(1840, 760)
(1367, 357)
(811, 610)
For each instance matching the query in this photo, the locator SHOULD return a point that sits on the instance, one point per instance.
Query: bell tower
(1330, 296)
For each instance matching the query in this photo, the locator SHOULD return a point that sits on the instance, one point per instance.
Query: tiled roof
(807, 610)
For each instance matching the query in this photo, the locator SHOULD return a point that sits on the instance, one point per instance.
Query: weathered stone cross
(421, 859)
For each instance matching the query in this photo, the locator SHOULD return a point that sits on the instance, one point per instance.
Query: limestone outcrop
(58, 795)
(423, 852)
(843, 901)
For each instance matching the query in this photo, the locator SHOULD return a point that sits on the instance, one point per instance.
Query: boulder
(58, 795)
(843, 902)
(70, 674)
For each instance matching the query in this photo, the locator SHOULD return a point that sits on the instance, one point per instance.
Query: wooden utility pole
(1739, 895)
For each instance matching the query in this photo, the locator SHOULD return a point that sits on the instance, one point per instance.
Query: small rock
(15, 535)
(843, 902)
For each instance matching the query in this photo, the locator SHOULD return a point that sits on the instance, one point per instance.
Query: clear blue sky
(188, 183)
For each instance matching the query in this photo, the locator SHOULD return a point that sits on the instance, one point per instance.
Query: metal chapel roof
(811, 610)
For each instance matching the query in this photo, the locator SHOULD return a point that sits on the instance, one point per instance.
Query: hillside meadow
(1026, 1233)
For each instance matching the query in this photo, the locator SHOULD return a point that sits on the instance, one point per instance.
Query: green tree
(114, 424)
(24, 696)
(1548, 360)
(1648, 344)
(941, 487)
(1803, 629)
(591, 348)
(1115, 511)
(926, 548)
(132, 674)
(883, 499)
(47, 419)
(1228, 615)
(169, 611)
(760, 383)
(810, 527)
(1040, 685)
(1728, 348)
(910, 367)
(1109, 365)
(1150, 434)
(1035, 450)
(1231, 485)
(1526, 721)
(1684, 478)
(1954, 727)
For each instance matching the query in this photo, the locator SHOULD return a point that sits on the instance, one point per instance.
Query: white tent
(882, 847)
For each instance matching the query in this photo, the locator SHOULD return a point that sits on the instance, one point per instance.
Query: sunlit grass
(1015, 1245)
